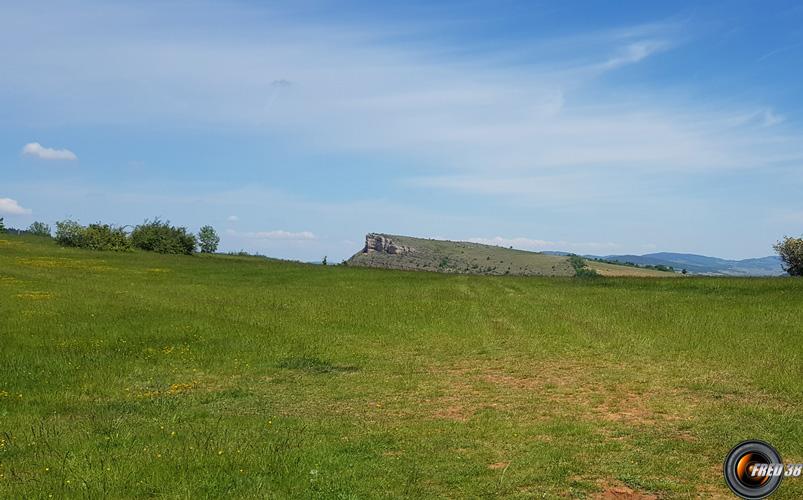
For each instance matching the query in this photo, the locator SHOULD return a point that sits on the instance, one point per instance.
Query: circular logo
(753, 469)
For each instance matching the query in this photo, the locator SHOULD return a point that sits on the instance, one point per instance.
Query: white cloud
(275, 235)
(37, 150)
(12, 207)
(232, 218)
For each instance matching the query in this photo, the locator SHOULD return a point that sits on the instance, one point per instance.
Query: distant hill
(700, 264)
(407, 253)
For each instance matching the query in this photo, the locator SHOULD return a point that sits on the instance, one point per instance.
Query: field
(134, 374)
(608, 269)
(459, 257)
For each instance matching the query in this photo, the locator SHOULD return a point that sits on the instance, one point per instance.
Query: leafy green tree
(324, 262)
(208, 239)
(791, 253)
(2, 226)
(39, 229)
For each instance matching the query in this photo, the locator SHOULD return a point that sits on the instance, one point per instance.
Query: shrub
(208, 239)
(577, 262)
(69, 233)
(105, 237)
(39, 229)
(791, 253)
(157, 236)
(98, 236)
(585, 272)
(580, 269)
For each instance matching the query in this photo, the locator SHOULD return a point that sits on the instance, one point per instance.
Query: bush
(69, 233)
(157, 236)
(208, 239)
(577, 262)
(105, 237)
(93, 237)
(580, 269)
(39, 229)
(585, 272)
(791, 252)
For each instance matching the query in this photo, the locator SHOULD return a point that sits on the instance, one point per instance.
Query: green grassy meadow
(142, 375)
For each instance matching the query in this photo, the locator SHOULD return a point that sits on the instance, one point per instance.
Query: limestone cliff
(380, 243)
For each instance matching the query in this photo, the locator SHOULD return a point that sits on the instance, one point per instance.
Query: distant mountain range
(700, 264)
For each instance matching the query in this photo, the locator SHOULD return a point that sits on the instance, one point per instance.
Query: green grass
(135, 374)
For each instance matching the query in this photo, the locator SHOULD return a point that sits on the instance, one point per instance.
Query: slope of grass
(131, 375)
(459, 257)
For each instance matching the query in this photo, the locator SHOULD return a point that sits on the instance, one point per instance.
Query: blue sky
(295, 128)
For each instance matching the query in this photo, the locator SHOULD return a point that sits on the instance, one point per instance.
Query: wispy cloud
(12, 207)
(633, 53)
(38, 151)
(278, 234)
(352, 91)
(232, 218)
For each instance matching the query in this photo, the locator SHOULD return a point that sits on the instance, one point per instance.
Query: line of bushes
(93, 237)
(152, 235)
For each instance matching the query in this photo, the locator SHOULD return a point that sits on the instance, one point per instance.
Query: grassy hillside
(132, 375)
(474, 258)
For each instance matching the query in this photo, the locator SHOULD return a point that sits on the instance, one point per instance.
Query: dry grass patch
(587, 390)
(621, 492)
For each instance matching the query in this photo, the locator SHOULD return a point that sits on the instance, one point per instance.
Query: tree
(791, 253)
(684, 271)
(208, 239)
(2, 226)
(39, 229)
(324, 260)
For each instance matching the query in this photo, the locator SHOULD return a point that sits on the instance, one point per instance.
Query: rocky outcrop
(380, 243)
